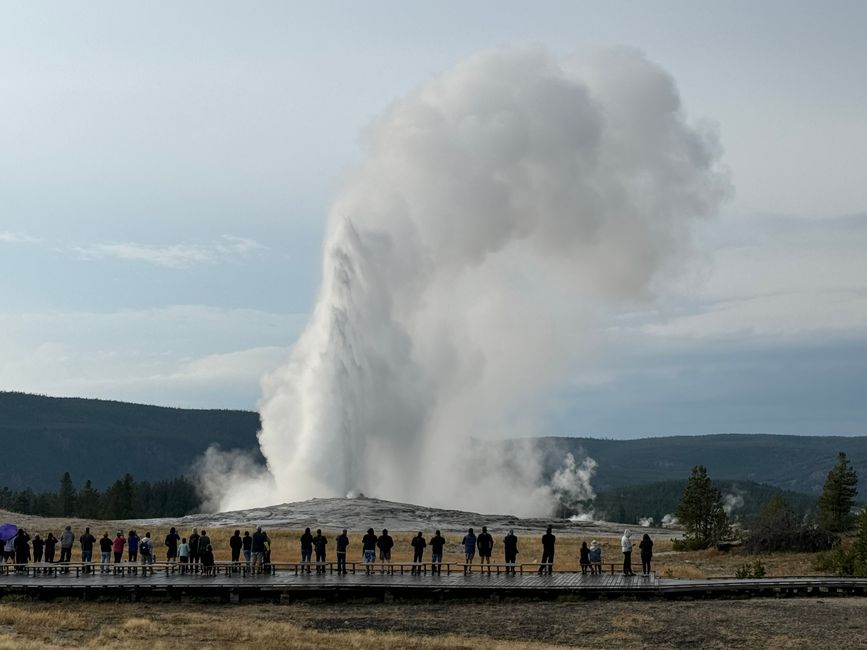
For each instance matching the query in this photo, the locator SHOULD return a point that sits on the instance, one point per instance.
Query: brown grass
(759, 623)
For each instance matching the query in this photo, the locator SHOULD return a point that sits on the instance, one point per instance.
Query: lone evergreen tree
(66, 497)
(838, 496)
(701, 510)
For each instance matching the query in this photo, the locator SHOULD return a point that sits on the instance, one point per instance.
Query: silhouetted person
(50, 545)
(132, 540)
(257, 550)
(385, 543)
(194, 546)
(341, 543)
(469, 543)
(485, 544)
(172, 541)
(105, 547)
(306, 549)
(584, 558)
(319, 544)
(209, 567)
(87, 541)
(236, 544)
(22, 548)
(547, 563)
(418, 546)
(38, 545)
(437, 543)
(247, 546)
(368, 548)
(646, 546)
(626, 547)
(204, 542)
(510, 546)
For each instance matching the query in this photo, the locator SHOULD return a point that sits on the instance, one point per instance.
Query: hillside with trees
(100, 441)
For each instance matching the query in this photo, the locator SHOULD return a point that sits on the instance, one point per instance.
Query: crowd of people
(196, 552)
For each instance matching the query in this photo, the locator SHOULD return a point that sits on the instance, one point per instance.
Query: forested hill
(42, 437)
(797, 463)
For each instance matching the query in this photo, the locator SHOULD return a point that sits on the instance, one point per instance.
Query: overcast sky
(166, 169)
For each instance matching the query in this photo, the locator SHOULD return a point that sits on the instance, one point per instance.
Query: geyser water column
(497, 208)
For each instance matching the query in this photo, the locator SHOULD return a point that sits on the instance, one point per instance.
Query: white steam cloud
(499, 207)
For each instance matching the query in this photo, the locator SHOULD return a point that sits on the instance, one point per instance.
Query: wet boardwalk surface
(288, 584)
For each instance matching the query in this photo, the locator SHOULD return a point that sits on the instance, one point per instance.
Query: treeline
(126, 498)
(640, 503)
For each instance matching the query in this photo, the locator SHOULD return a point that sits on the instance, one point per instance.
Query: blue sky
(166, 169)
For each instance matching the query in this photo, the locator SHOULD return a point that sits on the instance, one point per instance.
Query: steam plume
(499, 207)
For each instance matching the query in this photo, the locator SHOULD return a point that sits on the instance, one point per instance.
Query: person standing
(306, 549)
(319, 543)
(132, 541)
(437, 543)
(22, 549)
(257, 550)
(385, 543)
(418, 545)
(38, 545)
(584, 558)
(172, 540)
(236, 544)
(626, 547)
(510, 546)
(368, 548)
(105, 547)
(486, 545)
(194, 547)
(209, 567)
(341, 543)
(184, 554)
(469, 542)
(204, 542)
(87, 541)
(646, 546)
(50, 545)
(67, 539)
(266, 557)
(247, 546)
(547, 563)
(146, 552)
(117, 547)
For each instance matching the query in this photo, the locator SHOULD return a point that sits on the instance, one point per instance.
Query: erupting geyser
(498, 207)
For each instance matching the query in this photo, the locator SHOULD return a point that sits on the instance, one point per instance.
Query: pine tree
(88, 501)
(701, 510)
(838, 496)
(66, 497)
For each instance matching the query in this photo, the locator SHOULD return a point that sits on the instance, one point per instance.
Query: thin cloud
(174, 256)
(8, 237)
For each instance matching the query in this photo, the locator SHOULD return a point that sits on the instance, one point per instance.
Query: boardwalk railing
(296, 568)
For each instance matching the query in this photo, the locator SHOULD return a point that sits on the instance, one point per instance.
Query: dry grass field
(759, 623)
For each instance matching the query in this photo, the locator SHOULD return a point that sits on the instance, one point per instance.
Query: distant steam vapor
(645, 522)
(670, 521)
(500, 206)
(732, 502)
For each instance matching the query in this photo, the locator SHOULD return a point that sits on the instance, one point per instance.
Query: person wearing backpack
(146, 551)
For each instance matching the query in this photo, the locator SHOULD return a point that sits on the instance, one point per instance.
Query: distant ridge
(41, 437)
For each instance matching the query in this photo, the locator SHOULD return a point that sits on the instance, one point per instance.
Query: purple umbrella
(8, 531)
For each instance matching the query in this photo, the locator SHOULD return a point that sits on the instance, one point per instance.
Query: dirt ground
(758, 623)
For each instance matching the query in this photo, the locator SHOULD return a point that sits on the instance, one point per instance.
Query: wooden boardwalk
(287, 586)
